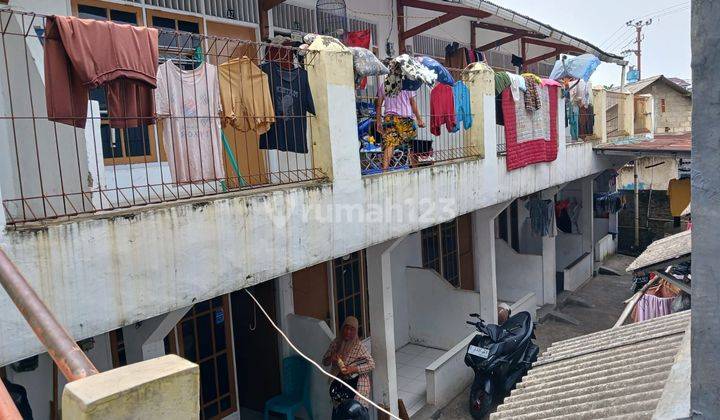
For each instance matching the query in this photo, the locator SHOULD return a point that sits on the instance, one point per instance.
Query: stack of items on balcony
(268, 103)
(527, 106)
(574, 73)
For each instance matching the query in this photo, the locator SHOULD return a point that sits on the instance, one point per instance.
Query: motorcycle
(500, 355)
(345, 406)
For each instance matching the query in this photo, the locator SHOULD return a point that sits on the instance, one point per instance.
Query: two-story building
(139, 257)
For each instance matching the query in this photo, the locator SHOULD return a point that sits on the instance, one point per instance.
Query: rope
(314, 363)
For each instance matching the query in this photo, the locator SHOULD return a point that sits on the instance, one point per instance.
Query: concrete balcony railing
(614, 114)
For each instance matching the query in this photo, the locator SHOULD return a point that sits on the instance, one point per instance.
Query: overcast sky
(666, 46)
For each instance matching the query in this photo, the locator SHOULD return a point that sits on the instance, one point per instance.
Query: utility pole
(639, 25)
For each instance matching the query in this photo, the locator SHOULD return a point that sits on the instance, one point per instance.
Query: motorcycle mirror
(475, 315)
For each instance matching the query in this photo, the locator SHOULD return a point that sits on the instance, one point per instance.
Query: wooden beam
(473, 41)
(675, 282)
(507, 29)
(636, 297)
(401, 25)
(499, 42)
(445, 8)
(543, 57)
(447, 17)
(553, 45)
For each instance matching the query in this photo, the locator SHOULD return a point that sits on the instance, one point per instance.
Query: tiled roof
(664, 250)
(613, 374)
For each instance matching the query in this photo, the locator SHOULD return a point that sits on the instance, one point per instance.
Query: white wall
(407, 253)
(568, 248)
(517, 274)
(578, 273)
(605, 247)
(438, 310)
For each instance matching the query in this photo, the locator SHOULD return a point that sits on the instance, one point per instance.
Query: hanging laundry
(502, 81)
(611, 202)
(443, 75)
(532, 97)
(245, 95)
(82, 54)
(360, 38)
(542, 215)
(394, 80)
(679, 195)
(442, 109)
(580, 67)
(190, 99)
(517, 84)
(586, 121)
(414, 74)
(516, 60)
(463, 113)
(292, 100)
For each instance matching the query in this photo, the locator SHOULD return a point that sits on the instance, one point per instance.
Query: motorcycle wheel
(480, 402)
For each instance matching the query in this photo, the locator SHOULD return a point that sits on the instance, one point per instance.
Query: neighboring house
(673, 102)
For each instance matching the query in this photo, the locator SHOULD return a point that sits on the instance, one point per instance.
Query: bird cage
(331, 18)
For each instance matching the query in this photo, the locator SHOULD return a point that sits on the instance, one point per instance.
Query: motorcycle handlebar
(474, 324)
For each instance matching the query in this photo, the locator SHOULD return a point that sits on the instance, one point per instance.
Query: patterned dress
(355, 356)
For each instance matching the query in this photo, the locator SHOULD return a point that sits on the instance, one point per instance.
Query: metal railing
(67, 355)
(425, 149)
(500, 136)
(49, 169)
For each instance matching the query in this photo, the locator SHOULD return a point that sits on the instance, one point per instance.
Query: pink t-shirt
(399, 104)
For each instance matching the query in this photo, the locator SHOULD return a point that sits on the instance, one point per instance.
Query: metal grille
(294, 18)
(434, 47)
(499, 60)
(183, 5)
(360, 25)
(48, 169)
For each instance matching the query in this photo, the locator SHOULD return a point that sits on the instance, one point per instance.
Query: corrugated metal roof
(613, 374)
(636, 87)
(659, 145)
(664, 250)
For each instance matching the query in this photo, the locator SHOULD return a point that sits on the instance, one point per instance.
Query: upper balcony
(202, 207)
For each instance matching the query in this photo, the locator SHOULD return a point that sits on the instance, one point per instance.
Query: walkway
(605, 293)
(411, 361)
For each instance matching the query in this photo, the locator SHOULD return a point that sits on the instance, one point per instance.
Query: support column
(548, 257)
(144, 341)
(599, 101)
(479, 78)
(285, 307)
(705, 211)
(587, 222)
(382, 323)
(483, 225)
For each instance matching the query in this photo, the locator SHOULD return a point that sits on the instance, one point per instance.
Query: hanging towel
(82, 54)
(517, 84)
(502, 81)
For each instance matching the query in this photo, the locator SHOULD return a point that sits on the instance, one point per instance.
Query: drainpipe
(68, 357)
(637, 203)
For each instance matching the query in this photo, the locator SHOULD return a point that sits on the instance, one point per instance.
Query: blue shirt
(462, 106)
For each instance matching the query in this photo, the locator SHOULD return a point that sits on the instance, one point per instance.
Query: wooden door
(310, 292)
(225, 43)
(257, 356)
(465, 249)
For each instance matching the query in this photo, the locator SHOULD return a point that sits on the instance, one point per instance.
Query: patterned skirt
(398, 131)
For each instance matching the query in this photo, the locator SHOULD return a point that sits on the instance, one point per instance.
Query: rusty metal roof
(660, 145)
(664, 251)
(636, 87)
(618, 373)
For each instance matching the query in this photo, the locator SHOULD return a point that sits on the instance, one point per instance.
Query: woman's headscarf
(347, 345)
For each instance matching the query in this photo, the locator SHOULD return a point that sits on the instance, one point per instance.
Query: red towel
(442, 108)
(82, 54)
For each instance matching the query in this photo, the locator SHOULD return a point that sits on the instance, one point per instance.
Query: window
(662, 105)
(168, 39)
(351, 296)
(440, 251)
(204, 334)
(119, 146)
(117, 345)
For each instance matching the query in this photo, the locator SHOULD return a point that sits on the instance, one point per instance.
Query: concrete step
(595, 405)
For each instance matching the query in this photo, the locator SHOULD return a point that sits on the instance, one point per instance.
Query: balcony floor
(411, 361)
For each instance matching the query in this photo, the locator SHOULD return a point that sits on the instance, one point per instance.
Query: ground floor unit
(411, 296)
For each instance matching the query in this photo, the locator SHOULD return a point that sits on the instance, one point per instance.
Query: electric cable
(314, 363)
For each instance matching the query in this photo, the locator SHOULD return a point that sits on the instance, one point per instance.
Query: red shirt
(442, 108)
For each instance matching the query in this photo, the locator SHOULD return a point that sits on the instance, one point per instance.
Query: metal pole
(8, 410)
(623, 75)
(637, 203)
(68, 357)
(638, 40)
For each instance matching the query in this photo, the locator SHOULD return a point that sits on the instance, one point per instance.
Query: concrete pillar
(599, 101)
(144, 340)
(382, 323)
(479, 78)
(586, 220)
(334, 131)
(166, 387)
(705, 210)
(548, 257)
(286, 306)
(483, 237)
(626, 114)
